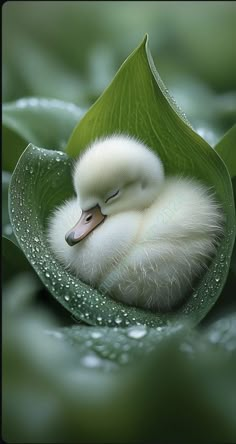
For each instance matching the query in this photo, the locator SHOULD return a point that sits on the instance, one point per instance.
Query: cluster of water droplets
(109, 348)
(35, 102)
(208, 290)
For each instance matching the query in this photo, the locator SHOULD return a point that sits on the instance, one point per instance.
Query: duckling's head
(118, 173)
(115, 174)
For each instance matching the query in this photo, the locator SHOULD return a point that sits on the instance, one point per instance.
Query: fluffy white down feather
(159, 233)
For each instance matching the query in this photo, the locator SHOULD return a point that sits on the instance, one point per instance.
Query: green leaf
(226, 148)
(233, 261)
(136, 103)
(40, 182)
(233, 258)
(95, 345)
(44, 122)
(38, 173)
(211, 114)
(122, 384)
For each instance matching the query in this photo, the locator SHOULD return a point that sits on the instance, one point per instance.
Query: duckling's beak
(88, 221)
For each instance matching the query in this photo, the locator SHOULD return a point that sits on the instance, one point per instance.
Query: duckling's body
(148, 249)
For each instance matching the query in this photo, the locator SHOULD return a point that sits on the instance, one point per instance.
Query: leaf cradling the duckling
(49, 182)
(135, 103)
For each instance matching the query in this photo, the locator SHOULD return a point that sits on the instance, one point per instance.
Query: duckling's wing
(184, 209)
(176, 237)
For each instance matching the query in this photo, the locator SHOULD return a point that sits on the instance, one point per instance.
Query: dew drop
(7, 229)
(96, 335)
(159, 328)
(137, 332)
(91, 361)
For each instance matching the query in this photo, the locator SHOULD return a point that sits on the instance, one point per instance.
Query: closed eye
(113, 195)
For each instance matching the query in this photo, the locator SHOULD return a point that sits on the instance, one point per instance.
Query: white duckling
(131, 232)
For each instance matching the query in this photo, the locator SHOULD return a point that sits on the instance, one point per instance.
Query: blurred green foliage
(75, 42)
(71, 51)
(85, 384)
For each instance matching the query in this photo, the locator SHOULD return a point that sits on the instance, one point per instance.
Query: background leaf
(226, 148)
(210, 114)
(119, 380)
(44, 122)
